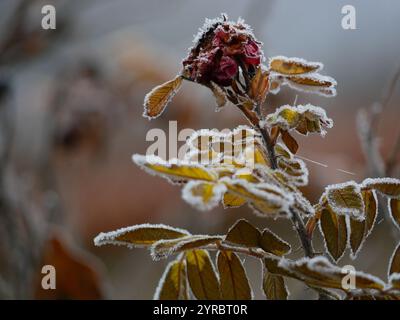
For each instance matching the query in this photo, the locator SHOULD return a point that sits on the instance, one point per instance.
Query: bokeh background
(71, 101)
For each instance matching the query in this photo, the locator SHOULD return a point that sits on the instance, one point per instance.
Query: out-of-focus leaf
(274, 287)
(233, 279)
(174, 170)
(164, 248)
(389, 187)
(243, 233)
(318, 271)
(140, 235)
(394, 206)
(201, 274)
(293, 66)
(346, 199)
(314, 80)
(157, 99)
(77, 273)
(289, 141)
(173, 283)
(334, 231)
(271, 243)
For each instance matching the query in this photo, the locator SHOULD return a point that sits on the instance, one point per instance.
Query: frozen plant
(264, 174)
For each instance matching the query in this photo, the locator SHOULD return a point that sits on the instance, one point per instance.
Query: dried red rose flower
(222, 47)
(226, 71)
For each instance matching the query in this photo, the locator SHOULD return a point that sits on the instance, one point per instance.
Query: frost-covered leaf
(231, 200)
(303, 118)
(157, 99)
(259, 86)
(140, 235)
(394, 265)
(175, 170)
(203, 195)
(173, 283)
(295, 170)
(394, 208)
(394, 281)
(289, 141)
(267, 199)
(318, 271)
(201, 274)
(334, 231)
(312, 83)
(219, 94)
(233, 279)
(389, 187)
(243, 233)
(293, 66)
(164, 248)
(346, 199)
(274, 287)
(271, 243)
(360, 230)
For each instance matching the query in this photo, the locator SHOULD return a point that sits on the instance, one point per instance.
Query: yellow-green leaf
(157, 99)
(394, 206)
(233, 279)
(231, 200)
(243, 233)
(203, 195)
(201, 274)
(140, 235)
(271, 243)
(174, 170)
(274, 287)
(293, 66)
(164, 248)
(173, 283)
(334, 231)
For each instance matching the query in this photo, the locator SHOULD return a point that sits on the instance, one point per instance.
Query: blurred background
(71, 103)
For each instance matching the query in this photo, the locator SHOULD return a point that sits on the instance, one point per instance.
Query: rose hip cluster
(219, 53)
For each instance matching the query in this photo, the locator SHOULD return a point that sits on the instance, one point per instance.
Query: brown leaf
(346, 199)
(274, 287)
(334, 230)
(243, 233)
(164, 248)
(77, 273)
(173, 283)
(201, 274)
(293, 66)
(394, 265)
(271, 243)
(359, 230)
(315, 80)
(233, 279)
(157, 99)
(219, 94)
(289, 141)
(389, 187)
(394, 206)
(140, 235)
(259, 86)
